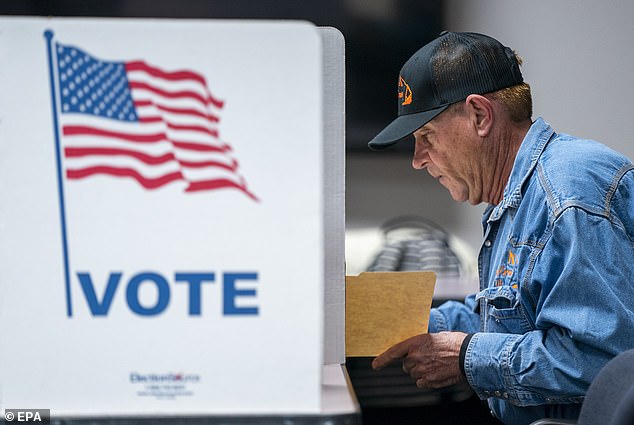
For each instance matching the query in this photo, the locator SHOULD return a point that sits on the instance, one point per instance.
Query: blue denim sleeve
(455, 316)
(582, 290)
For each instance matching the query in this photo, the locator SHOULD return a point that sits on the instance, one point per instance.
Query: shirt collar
(525, 161)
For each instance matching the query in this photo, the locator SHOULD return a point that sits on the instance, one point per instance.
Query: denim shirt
(556, 268)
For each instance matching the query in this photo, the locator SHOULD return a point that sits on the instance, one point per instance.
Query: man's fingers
(393, 353)
(431, 360)
(408, 364)
(425, 382)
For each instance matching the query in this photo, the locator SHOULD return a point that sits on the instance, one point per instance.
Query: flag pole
(48, 34)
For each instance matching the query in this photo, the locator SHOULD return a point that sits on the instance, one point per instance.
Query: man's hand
(430, 359)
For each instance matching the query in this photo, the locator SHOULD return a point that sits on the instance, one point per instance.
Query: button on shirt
(556, 298)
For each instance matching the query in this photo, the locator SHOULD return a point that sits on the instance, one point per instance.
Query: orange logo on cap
(404, 92)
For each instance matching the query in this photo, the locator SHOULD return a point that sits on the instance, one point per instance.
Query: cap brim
(402, 127)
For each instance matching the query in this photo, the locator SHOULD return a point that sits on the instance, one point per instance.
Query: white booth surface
(339, 407)
(163, 221)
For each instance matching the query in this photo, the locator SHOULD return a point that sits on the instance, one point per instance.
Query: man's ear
(480, 110)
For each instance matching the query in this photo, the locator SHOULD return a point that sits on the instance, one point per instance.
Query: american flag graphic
(135, 120)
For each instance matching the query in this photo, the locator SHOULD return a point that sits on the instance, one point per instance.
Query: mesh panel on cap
(450, 64)
(463, 65)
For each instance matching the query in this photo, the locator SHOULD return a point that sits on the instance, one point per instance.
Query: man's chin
(458, 196)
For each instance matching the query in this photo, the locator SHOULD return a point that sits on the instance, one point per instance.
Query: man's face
(447, 147)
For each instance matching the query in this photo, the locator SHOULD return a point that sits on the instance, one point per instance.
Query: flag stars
(91, 86)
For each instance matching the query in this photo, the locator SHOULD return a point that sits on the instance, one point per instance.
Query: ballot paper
(384, 308)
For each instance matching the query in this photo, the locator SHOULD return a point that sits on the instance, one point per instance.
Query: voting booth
(172, 218)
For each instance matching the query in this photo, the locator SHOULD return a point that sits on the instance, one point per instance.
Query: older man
(556, 298)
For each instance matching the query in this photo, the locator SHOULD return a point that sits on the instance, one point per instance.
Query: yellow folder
(383, 308)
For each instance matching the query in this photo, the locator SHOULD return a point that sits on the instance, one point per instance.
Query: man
(556, 298)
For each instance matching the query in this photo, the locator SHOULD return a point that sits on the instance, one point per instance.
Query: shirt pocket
(501, 311)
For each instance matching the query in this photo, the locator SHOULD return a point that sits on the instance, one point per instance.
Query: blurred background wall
(577, 57)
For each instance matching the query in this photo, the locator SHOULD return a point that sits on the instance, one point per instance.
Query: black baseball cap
(444, 71)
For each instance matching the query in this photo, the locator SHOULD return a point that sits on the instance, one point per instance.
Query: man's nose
(420, 156)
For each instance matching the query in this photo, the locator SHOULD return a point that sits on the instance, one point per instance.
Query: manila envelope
(384, 308)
